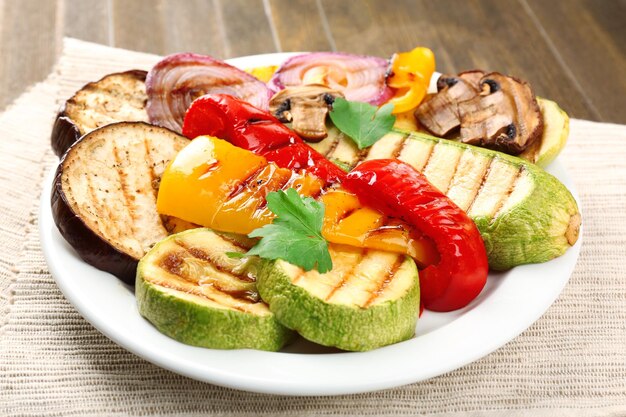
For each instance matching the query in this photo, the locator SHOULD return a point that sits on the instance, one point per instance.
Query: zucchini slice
(191, 291)
(554, 138)
(524, 214)
(368, 300)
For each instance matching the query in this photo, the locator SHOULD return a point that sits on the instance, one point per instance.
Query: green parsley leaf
(295, 235)
(362, 122)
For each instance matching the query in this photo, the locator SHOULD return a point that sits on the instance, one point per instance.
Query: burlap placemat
(571, 362)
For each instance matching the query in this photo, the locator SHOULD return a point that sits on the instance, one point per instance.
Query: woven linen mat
(571, 362)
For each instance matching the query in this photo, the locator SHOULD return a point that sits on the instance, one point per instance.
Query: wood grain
(593, 50)
(246, 27)
(28, 45)
(139, 25)
(300, 26)
(201, 31)
(573, 52)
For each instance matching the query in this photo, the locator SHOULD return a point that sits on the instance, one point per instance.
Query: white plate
(510, 303)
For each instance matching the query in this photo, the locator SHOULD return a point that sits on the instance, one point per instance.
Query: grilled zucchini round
(368, 300)
(191, 291)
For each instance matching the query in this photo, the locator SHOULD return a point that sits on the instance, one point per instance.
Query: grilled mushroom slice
(439, 113)
(505, 116)
(306, 107)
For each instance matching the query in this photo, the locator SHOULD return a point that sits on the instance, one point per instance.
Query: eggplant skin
(67, 127)
(64, 133)
(90, 247)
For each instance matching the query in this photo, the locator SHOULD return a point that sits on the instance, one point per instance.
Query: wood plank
(487, 34)
(247, 28)
(193, 26)
(28, 45)
(593, 49)
(87, 20)
(308, 34)
(139, 25)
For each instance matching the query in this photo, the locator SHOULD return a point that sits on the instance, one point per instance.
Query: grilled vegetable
(359, 78)
(178, 79)
(210, 113)
(217, 185)
(263, 73)
(397, 189)
(410, 75)
(250, 128)
(492, 110)
(505, 115)
(104, 194)
(368, 300)
(114, 98)
(306, 108)
(193, 292)
(554, 136)
(524, 214)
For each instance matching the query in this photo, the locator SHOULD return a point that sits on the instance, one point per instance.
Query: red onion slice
(178, 79)
(359, 78)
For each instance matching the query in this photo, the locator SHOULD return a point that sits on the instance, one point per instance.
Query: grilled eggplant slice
(194, 293)
(118, 97)
(524, 214)
(368, 300)
(104, 194)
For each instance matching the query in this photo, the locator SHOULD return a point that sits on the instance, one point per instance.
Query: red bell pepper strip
(256, 130)
(397, 189)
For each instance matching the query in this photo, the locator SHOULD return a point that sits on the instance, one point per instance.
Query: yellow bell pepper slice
(217, 185)
(263, 73)
(410, 76)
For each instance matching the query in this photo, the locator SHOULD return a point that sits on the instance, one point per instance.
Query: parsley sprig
(295, 235)
(363, 123)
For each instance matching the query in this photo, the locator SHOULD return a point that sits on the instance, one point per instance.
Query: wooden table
(571, 51)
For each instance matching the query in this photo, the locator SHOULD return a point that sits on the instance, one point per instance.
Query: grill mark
(235, 243)
(243, 184)
(349, 273)
(430, 156)
(382, 285)
(283, 183)
(346, 214)
(198, 253)
(173, 263)
(196, 291)
(385, 228)
(129, 201)
(114, 232)
(505, 197)
(456, 170)
(297, 277)
(333, 146)
(399, 148)
(480, 187)
(154, 180)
